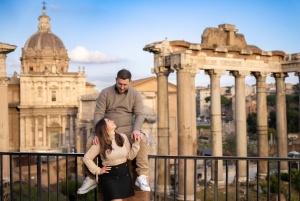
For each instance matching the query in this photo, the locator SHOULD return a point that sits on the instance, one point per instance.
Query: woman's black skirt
(117, 184)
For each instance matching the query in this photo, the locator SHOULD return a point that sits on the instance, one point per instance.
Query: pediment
(150, 85)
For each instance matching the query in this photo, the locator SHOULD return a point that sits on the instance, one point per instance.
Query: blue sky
(112, 34)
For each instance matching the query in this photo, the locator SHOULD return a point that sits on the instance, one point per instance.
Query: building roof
(44, 37)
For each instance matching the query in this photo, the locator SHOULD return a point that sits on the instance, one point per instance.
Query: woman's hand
(138, 138)
(96, 140)
(104, 169)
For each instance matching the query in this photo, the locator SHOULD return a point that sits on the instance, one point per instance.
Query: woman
(114, 150)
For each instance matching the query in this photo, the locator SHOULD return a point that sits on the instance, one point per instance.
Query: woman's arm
(89, 157)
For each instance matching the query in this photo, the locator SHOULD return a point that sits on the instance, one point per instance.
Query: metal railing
(56, 176)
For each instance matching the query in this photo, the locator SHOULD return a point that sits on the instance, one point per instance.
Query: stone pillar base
(161, 189)
(188, 197)
(242, 179)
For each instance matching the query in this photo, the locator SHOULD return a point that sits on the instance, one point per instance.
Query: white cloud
(82, 55)
(54, 7)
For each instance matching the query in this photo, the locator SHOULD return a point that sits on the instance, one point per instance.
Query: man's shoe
(141, 182)
(87, 185)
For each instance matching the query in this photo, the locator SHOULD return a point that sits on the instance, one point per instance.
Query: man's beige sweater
(126, 109)
(117, 156)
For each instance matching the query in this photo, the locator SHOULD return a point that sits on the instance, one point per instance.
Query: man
(124, 105)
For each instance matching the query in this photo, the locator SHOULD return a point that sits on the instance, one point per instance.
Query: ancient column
(63, 125)
(185, 138)
(298, 74)
(215, 123)
(262, 124)
(240, 122)
(48, 136)
(163, 127)
(193, 104)
(44, 131)
(36, 131)
(4, 130)
(71, 138)
(281, 125)
(22, 132)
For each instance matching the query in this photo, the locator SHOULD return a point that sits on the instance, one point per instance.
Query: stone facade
(43, 103)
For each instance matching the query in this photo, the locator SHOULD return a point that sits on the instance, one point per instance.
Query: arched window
(53, 96)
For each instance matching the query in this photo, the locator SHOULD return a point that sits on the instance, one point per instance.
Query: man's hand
(136, 135)
(96, 140)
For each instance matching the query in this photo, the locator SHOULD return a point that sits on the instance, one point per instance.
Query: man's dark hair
(124, 74)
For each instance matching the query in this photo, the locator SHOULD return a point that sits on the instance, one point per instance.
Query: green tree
(271, 100)
(224, 100)
(272, 119)
(229, 146)
(292, 117)
(273, 131)
(251, 122)
(296, 88)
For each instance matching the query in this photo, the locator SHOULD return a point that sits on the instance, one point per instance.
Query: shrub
(72, 191)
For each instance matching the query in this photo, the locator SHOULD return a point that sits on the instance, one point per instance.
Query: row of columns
(187, 143)
(30, 138)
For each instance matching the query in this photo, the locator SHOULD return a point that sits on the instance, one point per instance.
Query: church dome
(44, 37)
(41, 40)
(43, 50)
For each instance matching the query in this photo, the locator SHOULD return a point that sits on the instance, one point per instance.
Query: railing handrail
(163, 156)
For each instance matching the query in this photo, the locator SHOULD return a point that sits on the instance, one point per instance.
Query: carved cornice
(4, 81)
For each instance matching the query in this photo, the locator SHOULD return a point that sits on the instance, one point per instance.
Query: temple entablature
(221, 48)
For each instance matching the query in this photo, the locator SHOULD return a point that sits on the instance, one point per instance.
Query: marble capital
(259, 74)
(239, 73)
(187, 67)
(4, 81)
(279, 75)
(215, 72)
(161, 70)
(3, 56)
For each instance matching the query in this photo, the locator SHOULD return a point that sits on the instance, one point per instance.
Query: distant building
(43, 99)
(202, 107)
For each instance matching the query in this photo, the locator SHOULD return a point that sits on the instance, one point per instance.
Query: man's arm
(138, 111)
(100, 108)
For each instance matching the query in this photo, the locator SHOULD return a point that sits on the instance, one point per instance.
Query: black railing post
(205, 178)
(278, 179)
(184, 179)
(39, 179)
(155, 177)
(175, 170)
(226, 180)
(268, 192)
(290, 179)
(237, 179)
(11, 177)
(195, 179)
(247, 181)
(165, 179)
(48, 174)
(29, 177)
(1, 177)
(57, 177)
(216, 180)
(20, 177)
